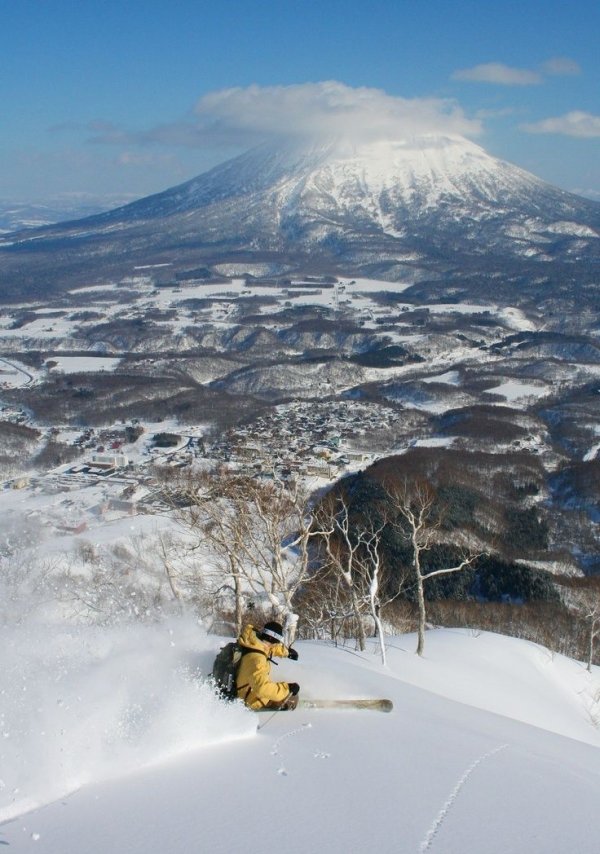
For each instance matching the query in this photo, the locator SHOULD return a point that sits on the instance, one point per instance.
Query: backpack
(225, 668)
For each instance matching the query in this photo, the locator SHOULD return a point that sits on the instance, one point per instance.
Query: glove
(293, 654)
(294, 688)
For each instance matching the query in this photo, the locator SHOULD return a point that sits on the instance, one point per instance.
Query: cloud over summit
(327, 109)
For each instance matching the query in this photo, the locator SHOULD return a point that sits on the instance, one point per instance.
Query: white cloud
(561, 66)
(576, 123)
(325, 109)
(243, 117)
(498, 73)
(506, 75)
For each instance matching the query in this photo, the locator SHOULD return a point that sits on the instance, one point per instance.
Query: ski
(373, 705)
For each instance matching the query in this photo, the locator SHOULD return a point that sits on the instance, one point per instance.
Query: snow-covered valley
(324, 375)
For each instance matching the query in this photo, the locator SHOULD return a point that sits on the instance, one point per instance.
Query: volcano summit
(418, 209)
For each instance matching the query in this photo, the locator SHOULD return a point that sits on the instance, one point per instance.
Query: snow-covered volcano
(362, 179)
(310, 192)
(422, 203)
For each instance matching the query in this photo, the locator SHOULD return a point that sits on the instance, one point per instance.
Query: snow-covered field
(111, 743)
(355, 295)
(14, 374)
(514, 391)
(79, 364)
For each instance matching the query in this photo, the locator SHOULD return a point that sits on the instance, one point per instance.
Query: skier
(254, 684)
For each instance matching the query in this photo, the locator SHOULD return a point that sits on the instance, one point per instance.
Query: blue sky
(128, 97)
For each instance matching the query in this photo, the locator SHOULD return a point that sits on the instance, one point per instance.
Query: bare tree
(168, 551)
(372, 544)
(208, 509)
(584, 599)
(592, 618)
(419, 524)
(354, 556)
(257, 534)
(343, 547)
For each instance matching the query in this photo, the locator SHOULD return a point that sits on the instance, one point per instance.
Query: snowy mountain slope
(371, 181)
(442, 773)
(407, 206)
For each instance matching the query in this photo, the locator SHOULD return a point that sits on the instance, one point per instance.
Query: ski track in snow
(443, 813)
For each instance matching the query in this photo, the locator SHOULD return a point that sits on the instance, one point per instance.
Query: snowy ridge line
(431, 833)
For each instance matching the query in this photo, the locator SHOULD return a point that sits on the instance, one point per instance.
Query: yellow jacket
(254, 685)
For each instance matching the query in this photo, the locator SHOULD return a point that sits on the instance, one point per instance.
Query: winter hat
(272, 632)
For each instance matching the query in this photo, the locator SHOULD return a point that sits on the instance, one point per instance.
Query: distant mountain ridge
(413, 208)
(16, 215)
